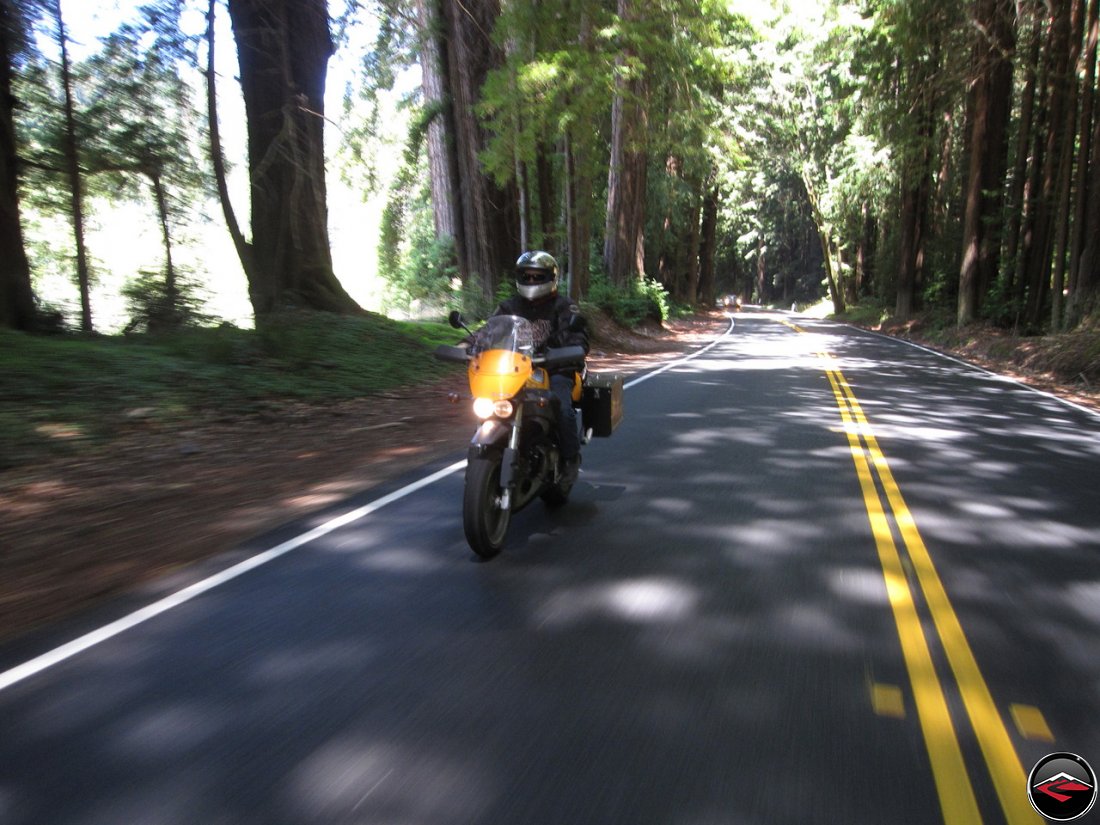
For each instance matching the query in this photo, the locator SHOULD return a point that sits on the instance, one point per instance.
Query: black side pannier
(602, 403)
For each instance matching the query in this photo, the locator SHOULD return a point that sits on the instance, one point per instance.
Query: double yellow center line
(956, 794)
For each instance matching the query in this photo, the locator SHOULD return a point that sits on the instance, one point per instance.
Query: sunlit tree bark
(283, 47)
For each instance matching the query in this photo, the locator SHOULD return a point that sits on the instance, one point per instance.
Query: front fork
(508, 461)
(489, 437)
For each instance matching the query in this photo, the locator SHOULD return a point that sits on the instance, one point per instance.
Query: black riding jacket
(550, 317)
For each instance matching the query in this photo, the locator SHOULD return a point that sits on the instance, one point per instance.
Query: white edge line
(978, 368)
(684, 360)
(82, 643)
(88, 640)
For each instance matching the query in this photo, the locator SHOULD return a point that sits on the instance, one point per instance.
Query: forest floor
(74, 532)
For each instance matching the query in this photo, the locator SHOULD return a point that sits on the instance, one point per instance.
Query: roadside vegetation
(68, 394)
(1070, 359)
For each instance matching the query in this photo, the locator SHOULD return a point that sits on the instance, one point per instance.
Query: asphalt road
(817, 576)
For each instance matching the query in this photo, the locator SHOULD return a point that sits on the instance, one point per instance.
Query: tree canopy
(917, 155)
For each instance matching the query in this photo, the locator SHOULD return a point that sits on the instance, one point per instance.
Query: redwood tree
(489, 218)
(283, 47)
(16, 298)
(624, 235)
(440, 137)
(990, 103)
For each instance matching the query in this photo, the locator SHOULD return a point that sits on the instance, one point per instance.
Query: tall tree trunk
(1016, 206)
(668, 245)
(217, 156)
(1067, 138)
(624, 233)
(16, 296)
(1087, 292)
(986, 130)
(1003, 33)
(916, 190)
(72, 169)
(708, 291)
(442, 168)
(548, 212)
(832, 274)
(1041, 252)
(579, 156)
(579, 210)
(283, 47)
(694, 242)
(171, 289)
(1033, 181)
(762, 293)
(490, 218)
(1082, 189)
(865, 253)
(908, 252)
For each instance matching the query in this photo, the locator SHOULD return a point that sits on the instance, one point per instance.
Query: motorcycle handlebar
(563, 357)
(458, 355)
(553, 358)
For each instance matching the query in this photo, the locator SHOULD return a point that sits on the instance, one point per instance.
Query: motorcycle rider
(557, 322)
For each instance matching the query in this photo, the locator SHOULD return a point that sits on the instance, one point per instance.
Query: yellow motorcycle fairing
(498, 374)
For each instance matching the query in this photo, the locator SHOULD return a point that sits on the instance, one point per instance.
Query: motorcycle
(514, 455)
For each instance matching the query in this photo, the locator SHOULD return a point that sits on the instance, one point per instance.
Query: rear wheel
(483, 519)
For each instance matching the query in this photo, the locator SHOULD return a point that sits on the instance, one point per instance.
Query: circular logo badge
(1062, 787)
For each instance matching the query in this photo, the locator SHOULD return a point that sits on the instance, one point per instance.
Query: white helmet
(536, 275)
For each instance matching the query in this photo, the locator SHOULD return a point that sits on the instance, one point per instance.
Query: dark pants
(568, 438)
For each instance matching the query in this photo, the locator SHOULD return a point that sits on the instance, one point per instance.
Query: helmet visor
(534, 276)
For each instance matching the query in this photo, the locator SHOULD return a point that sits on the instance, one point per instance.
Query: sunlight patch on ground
(859, 584)
(175, 728)
(641, 600)
(350, 777)
(816, 623)
(61, 432)
(1084, 597)
(316, 661)
(401, 561)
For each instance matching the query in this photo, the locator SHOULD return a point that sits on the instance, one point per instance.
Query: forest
(913, 155)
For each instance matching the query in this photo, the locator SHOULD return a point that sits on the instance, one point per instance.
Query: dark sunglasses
(533, 276)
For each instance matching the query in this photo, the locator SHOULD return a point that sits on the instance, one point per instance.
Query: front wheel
(483, 519)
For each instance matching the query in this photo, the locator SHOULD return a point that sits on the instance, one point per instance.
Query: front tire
(483, 519)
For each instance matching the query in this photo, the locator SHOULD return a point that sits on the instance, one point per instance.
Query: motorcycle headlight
(487, 408)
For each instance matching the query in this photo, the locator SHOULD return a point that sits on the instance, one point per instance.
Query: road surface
(816, 576)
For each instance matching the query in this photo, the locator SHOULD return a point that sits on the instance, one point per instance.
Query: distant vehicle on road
(730, 302)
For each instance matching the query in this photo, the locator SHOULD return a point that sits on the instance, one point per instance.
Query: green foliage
(154, 308)
(71, 393)
(630, 306)
(137, 131)
(420, 269)
(867, 314)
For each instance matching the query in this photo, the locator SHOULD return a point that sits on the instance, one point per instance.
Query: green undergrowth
(70, 393)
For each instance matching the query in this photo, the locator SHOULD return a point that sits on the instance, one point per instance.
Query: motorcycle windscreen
(498, 373)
